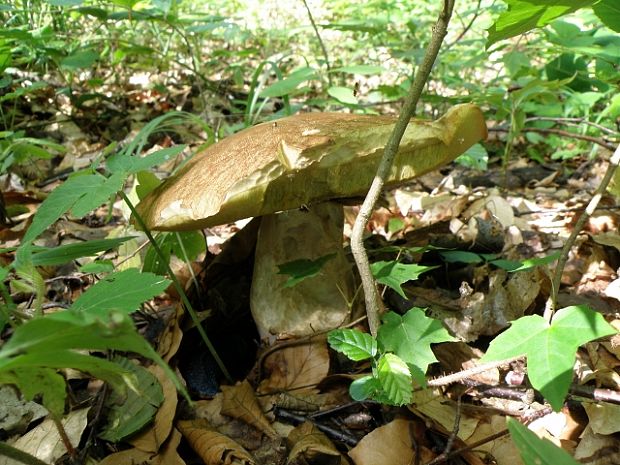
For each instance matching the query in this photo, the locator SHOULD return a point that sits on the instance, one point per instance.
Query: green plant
(400, 354)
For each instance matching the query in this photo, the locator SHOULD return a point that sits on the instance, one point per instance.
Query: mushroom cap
(300, 160)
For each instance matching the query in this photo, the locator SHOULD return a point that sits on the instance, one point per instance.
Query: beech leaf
(353, 343)
(550, 349)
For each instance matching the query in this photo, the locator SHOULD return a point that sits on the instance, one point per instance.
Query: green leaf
(537, 451)
(343, 94)
(99, 266)
(460, 256)
(129, 412)
(65, 253)
(128, 164)
(364, 388)
(289, 84)
(534, 262)
(395, 379)
(524, 15)
(393, 274)
(122, 292)
(44, 381)
(476, 157)
(410, 337)
(608, 11)
(353, 343)
(298, 270)
(81, 193)
(359, 69)
(80, 59)
(550, 349)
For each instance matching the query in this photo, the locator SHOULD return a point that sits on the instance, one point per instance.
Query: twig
(557, 275)
(334, 433)
(371, 296)
(466, 28)
(453, 435)
(573, 122)
(461, 375)
(563, 133)
(318, 36)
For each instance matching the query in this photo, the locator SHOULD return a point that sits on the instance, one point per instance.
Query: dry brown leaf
(212, 447)
(390, 444)
(152, 439)
(604, 417)
(170, 339)
(429, 404)
(502, 449)
(597, 449)
(308, 445)
(298, 367)
(44, 441)
(167, 454)
(240, 402)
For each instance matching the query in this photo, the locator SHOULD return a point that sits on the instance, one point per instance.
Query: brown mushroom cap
(300, 160)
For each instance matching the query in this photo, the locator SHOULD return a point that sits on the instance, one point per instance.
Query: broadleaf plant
(400, 354)
(550, 348)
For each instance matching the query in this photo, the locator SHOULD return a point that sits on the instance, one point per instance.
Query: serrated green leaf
(65, 253)
(550, 349)
(44, 381)
(298, 270)
(128, 412)
(353, 343)
(410, 337)
(124, 163)
(80, 193)
(537, 451)
(393, 274)
(80, 59)
(122, 292)
(364, 388)
(395, 379)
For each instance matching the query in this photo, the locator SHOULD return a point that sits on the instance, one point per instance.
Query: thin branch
(318, 36)
(371, 296)
(560, 132)
(573, 122)
(614, 161)
(465, 374)
(466, 28)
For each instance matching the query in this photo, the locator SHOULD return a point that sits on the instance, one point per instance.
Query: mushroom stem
(371, 296)
(319, 302)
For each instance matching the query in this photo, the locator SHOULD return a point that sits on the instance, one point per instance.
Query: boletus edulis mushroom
(289, 172)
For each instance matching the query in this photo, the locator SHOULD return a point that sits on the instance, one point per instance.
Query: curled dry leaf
(300, 367)
(309, 445)
(151, 439)
(240, 402)
(167, 454)
(390, 444)
(212, 447)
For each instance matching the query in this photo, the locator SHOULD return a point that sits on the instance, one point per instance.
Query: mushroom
(289, 172)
